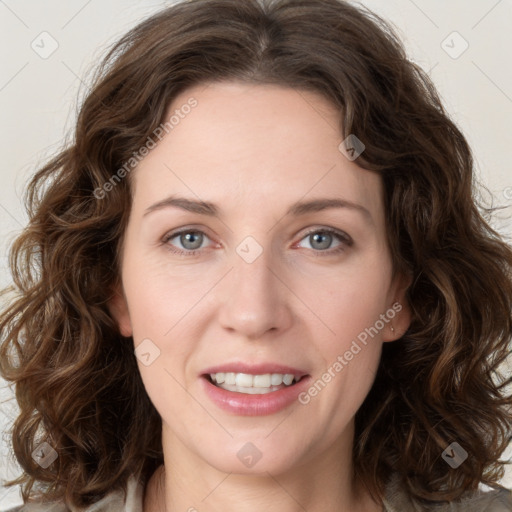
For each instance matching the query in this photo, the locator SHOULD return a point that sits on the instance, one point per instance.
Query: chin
(258, 457)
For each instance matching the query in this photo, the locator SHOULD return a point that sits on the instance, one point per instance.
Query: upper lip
(254, 369)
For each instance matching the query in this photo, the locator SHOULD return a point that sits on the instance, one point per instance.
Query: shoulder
(396, 500)
(113, 502)
(39, 507)
(492, 501)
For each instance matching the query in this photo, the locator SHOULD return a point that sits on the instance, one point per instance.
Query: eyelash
(340, 235)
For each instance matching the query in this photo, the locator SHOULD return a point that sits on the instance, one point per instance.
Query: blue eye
(190, 240)
(320, 240)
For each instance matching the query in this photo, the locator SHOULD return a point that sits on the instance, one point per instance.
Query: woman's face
(266, 278)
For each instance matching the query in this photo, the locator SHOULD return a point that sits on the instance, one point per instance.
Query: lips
(246, 403)
(254, 369)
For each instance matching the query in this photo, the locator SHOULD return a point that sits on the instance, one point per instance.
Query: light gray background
(38, 95)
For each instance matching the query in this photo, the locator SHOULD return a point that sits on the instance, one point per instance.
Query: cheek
(159, 294)
(349, 301)
(351, 307)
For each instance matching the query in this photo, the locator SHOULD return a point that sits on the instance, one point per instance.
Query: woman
(258, 279)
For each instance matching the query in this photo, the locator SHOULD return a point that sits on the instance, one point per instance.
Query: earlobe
(401, 320)
(118, 307)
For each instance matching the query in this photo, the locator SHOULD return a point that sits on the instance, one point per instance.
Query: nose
(256, 298)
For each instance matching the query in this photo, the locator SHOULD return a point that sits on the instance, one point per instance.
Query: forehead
(251, 144)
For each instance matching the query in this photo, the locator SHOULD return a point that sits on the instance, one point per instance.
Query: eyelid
(341, 235)
(323, 229)
(345, 240)
(187, 229)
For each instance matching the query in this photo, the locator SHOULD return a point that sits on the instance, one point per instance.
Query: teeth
(246, 380)
(276, 379)
(288, 379)
(263, 381)
(230, 379)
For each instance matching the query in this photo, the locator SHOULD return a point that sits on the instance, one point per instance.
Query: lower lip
(254, 405)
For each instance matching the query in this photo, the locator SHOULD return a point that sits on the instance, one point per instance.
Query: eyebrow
(296, 209)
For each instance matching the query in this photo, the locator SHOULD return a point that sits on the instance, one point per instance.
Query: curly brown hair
(76, 378)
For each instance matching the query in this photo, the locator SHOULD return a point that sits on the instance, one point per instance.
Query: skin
(254, 151)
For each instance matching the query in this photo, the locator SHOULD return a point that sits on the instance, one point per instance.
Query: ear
(118, 307)
(399, 312)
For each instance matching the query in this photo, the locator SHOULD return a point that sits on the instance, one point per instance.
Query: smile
(254, 399)
(253, 384)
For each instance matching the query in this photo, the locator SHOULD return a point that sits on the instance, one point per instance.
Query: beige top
(396, 501)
